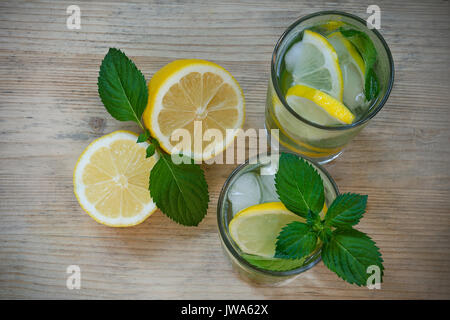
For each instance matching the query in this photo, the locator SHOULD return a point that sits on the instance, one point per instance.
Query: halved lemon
(317, 106)
(194, 95)
(314, 62)
(111, 180)
(255, 229)
(353, 70)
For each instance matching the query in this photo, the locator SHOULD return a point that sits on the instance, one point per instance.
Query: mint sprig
(345, 251)
(346, 210)
(295, 241)
(348, 253)
(122, 87)
(179, 191)
(299, 185)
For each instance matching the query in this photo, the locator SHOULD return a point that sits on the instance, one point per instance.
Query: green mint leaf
(368, 52)
(154, 142)
(179, 190)
(346, 210)
(274, 264)
(371, 85)
(143, 136)
(122, 87)
(150, 151)
(312, 219)
(325, 234)
(349, 253)
(296, 240)
(299, 185)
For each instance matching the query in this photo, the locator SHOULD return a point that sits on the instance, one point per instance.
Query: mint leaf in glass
(368, 52)
(122, 87)
(349, 253)
(274, 264)
(179, 190)
(299, 185)
(296, 240)
(346, 210)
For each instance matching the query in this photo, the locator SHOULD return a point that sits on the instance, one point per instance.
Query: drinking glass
(244, 268)
(297, 134)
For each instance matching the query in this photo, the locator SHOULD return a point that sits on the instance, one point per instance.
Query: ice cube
(269, 192)
(244, 192)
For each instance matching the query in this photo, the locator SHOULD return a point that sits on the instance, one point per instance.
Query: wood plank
(50, 111)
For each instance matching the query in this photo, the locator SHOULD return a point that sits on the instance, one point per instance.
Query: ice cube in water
(244, 192)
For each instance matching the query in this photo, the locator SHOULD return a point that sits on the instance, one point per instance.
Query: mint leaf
(371, 85)
(346, 210)
(368, 52)
(299, 185)
(180, 191)
(312, 219)
(150, 151)
(122, 87)
(295, 241)
(143, 136)
(349, 253)
(274, 264)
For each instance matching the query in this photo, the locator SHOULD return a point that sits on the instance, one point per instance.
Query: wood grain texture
(50, 111)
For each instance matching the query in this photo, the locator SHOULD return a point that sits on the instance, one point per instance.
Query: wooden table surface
(50, 111)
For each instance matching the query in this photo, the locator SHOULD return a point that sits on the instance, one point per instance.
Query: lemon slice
(111, 180)
(353, 70)
(314, 62)
(255, 229)
(194, 94)
(317, 106)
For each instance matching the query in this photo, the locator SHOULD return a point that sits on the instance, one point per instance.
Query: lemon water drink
(250, 218)
(330, 75)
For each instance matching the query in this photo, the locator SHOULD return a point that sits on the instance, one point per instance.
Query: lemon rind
(332, 106)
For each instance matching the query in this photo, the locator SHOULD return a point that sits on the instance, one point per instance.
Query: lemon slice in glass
(314, 62)
(317, 106)
(353, 70)
(256, 228)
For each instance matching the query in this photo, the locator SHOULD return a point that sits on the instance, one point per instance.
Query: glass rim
(227, 241)
(278, 89)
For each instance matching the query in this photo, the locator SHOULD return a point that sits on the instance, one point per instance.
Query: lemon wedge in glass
(313, 62)
(353, 70)
(256, 228)
(317, 106)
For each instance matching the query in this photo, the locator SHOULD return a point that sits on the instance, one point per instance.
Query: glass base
(325, 159)
(281, 148)
(259, 277)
